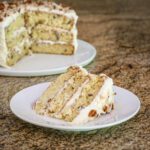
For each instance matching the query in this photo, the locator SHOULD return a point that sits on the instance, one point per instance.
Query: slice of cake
(35, 27)
(77, 96)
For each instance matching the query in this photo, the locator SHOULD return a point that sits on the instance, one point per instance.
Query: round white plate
(126, 106)
(47, 64)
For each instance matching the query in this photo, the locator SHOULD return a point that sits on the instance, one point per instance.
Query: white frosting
(75, 96)
(69, 13)
(75, 42)
(3, 47)
(9, 19)
(48, 104)
(50, 42)
(97, 104)
(18, 48)
(83, 70)
(70, 81)
(19, 31)
(13, 16)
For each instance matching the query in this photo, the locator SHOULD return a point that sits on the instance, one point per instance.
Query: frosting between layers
(101, 104)
(44, 110)
(9, 19)
(3, 47)
(18, 10)
(70, 81)
(97, 104)
(50, 42)
(75, 96)
(69, 13)
(18, 47)
(19, 31)
(74, 41)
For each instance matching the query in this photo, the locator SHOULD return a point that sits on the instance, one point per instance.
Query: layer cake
(77, 96)
(35, 27)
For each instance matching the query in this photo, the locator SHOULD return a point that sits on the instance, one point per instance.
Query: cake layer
(12, 35)
(15, 41)
(86, 96)
(79, 99)
(34, 18)
(15, 25)
(16, 54)
(45, 32)
(36, 21)
(102, 103)
(60, 100)
(54, 88)
(53, 48)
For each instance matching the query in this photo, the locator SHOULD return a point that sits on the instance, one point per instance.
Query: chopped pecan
(112, 106)
(28, 1)
(92, 113)
(2, 6)
(105, 108)
(90, 94)
(1, 19)
(40, 3)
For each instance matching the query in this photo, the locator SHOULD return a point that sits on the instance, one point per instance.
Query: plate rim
(46, 72)
(75, 127)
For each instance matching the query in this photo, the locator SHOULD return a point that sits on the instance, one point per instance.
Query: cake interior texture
(36, 27)
(77, 96)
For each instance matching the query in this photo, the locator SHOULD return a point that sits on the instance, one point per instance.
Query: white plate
(47, 64)
(126, 106)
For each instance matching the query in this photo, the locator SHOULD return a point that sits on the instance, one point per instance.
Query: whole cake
(35, 27)
(77, 96)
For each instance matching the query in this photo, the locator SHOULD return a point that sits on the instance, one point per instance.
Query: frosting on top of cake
(9, 8)
(9, 11)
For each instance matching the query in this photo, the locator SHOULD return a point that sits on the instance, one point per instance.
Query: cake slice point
(60, 100)
(77, 96)
(55, 88)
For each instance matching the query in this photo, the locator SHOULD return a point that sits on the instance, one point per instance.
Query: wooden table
(120, 31)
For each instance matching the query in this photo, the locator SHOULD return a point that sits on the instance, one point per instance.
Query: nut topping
(27, 1)
(112, 106)
(105, 108)
(40, 3)
(2, 6)
(90, 94)
(1, 19)
(92, 113)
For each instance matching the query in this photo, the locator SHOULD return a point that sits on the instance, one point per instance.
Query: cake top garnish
(7, 8)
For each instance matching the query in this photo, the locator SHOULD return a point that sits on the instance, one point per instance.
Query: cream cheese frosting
(10, 12)
(69, 13)
(97, 104)
(75, 96)
(3, 47)
(19, 31)
(92, 98)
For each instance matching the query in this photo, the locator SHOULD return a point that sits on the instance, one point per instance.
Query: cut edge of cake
(91, 99)
(55, 86)
(11, 11)
(103, 103)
